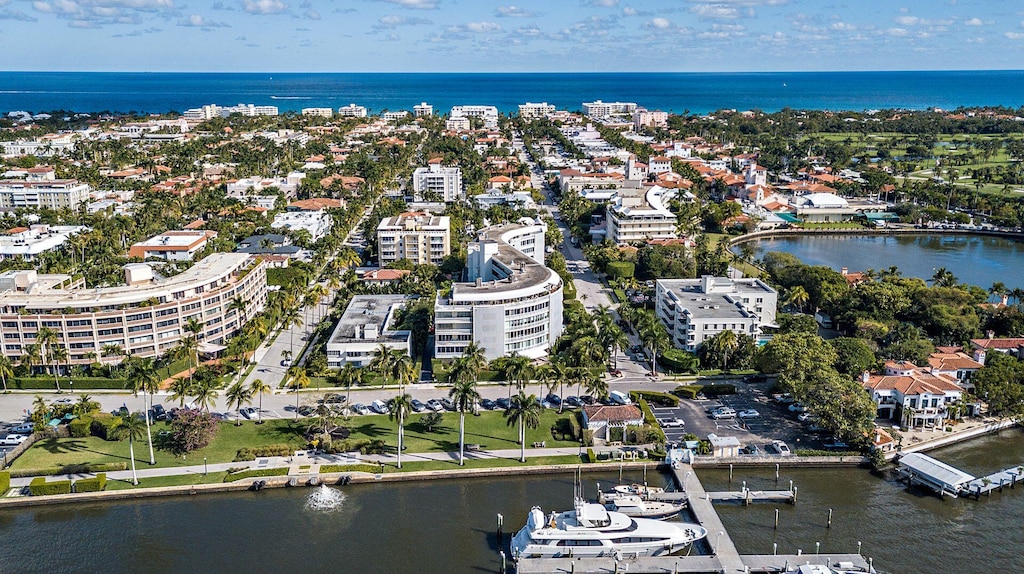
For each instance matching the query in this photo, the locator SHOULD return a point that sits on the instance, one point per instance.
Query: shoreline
(772, 233)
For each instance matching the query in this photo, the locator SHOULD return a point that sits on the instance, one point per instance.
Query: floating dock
(947, 480)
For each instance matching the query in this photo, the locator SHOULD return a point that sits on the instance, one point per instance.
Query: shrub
(654, 434)
(280, 471)
(328, 468)
(252, 453)
(39, 487)
(192, 430)
(105, 426)
(591, 457)
(620, 295)
(5, 482)
(687, 391)
(82, 383)
(678, 361)
(96, 484)
(812, 452)
(718, 389)
(588, 437)
(564, 428)
(80, 427)
(623, 269)
(660, 399)
(70, 469)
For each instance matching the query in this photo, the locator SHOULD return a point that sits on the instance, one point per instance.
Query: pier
(950, 481)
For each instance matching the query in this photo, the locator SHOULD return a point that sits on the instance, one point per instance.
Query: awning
(788, 217)
(210, 348)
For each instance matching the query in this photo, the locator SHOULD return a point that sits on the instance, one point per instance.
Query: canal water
(974, 259)
(449, 526)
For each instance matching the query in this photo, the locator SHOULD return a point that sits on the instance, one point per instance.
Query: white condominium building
(146, 317)
(599, 109)
(288, 185)
(532, 110)
(211, 111)
(321, 112)
(489, 114)
(420, 237)
(173, 245)
(394, 116)
(511, 304)
(352, 111)
(368, 323)
(437, 179)
(28, 242)
(316, 223)
(51, 194)
(423, 109)
(457, 124)
(639, 215)
(694, 310)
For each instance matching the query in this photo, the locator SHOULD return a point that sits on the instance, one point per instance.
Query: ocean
(674, 92)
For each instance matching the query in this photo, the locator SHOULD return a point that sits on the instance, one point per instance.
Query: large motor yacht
(592, 530)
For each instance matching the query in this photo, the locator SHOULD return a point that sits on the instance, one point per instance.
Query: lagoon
(974, 259)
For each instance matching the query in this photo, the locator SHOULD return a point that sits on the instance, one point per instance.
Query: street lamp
(206, 469)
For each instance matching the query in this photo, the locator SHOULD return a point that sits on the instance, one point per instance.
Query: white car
(778, 447)
(804, 417)
(13, 440)
(672, 422)
(748, 414)
(797, 408)
(723, 413)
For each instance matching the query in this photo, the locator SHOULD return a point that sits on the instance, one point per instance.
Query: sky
(528, 35)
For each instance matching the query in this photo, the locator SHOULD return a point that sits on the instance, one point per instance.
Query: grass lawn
(159, 481)
(488, 430)
(413, 465)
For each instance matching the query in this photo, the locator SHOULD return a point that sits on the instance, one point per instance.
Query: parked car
(248, 412)
(748, 414)
(553, 399)
(334, 398)
(723, 413)
(24, 428)
(379, 407)
(418, 406)
(435, 405)
(835, 443)
(284, 362)
(805, 417)
(616, 373)
(587, 399)
(797, 408)
(671, 422)
(305, 410)
(778, 447)
(573, 402)
(755, 378)
(620, 398)
(13, 440)
(751, 450)
(489, 404)
(448, 404)
(159, 413)
(783, 398)
(502, 403)
(360, 409)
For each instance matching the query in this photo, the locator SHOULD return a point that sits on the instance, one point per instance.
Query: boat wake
(325, 499)
(290, 98)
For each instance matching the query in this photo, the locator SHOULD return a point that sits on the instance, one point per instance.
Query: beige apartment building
(418, 236)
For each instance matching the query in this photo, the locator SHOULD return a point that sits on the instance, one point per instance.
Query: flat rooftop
(374, 311)
(525, 271)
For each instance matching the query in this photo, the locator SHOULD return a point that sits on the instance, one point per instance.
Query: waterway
(449, 526)
(974, 259)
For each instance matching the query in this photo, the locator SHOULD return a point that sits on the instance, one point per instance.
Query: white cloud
(715, 11)
(604, 3)
(843, 26)
(96, 13)
(264, 7)
(974, 22)
(659, 23)
(1014, 35)
(198, 21)
(896, 32)
(392, 21)
(417, 4)
(483, 27)
(513, 12)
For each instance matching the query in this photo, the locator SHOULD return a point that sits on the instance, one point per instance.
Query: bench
(472, 447)
(540, 444)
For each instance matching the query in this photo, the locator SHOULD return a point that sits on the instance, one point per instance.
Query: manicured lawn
(159, 481)
(488, 430)
(412, 466)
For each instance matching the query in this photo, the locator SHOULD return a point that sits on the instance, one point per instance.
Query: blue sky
(525, 35)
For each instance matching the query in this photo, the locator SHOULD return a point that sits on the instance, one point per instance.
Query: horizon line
(540, 72)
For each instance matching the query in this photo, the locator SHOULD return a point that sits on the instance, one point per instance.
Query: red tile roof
(612, 413)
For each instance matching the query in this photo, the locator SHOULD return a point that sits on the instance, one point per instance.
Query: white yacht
(635, 506)
(592, 530)
(641, 490)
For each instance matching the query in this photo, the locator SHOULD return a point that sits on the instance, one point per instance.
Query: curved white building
(145, 318)
(512, 302)
(641, 215)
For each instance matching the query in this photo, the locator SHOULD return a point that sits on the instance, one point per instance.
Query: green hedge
(812, 452)
(105, 426)
(620, 295)
(96, 484)
(715, 390)
(281, 471)
(80, 427)
(623, 269)
(327, 468)
(678, 361)
(591, 457)
(687, 391)
(83, 383)
(5, 482)
(39, 487)
(71, 469)
(651, 422)
(658, 398)
(252, 453)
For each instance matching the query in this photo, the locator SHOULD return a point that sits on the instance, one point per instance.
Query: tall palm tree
(58, 354)
(258, 387)
(798, 297)
(476, 358)
(596, 385)
(524, 411)
(238, 395)
(189, 347)
(943, 278)
(399, 408)
(350, 375)
(465, 396)
(204, 395)
(46, 338)
(404, 372)
(998, 289)
(555, 374)
(6, 369)
(518, 370)
(30, 355)
(385, 361)
(612, 337)
(134, 429)
(299, 381)
(291, 320)
(655, 337)
(180, 391)
(144, 377)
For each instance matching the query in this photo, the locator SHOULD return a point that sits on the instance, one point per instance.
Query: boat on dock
(641, 490)
(591, 530)
(636, 507)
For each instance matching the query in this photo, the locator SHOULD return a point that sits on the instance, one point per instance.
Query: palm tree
(943, 278)
(400, 406)
(476, 358)
(291, 320)
(998, 289)
(180, 391)
(189, 346)
(404, 371)
(465, 396)
(554, 374)
(111, 350)
(46, 338)
(205, 395)
(238, 395)
(134, 429)
(6, 369)
(385, 361)
(596, 385)
(798, 297)
(143, 377)
(525, 411)
(30, 355)
(654, 337)
(350, 375)
(518, 370)
(258, 387)
(612, 337)
(58, 355)
(299, 380)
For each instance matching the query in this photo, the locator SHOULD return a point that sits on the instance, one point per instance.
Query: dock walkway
(995, 481)
(703, 511)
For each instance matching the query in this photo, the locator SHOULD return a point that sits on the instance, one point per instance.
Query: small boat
(641, 490)
(592, 530)
(633, 506)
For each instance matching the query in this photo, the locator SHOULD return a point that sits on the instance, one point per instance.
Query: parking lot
(774, 420)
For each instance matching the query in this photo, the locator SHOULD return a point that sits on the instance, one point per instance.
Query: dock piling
(730, 473)
(776, 519)
(502, 554)
(817, 548)
(858, 547)
(501, 520)
(775, 548)
(829, 525)
(776, 472)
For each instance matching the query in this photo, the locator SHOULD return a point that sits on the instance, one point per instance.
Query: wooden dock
(689, 564)
(747, 496)
(700, 506)
(1008, 477)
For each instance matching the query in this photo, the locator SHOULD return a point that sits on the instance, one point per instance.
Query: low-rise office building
(512, 303)
(145, 317)
(420, 237)
(43, 194)
(368, 323)
(694, 310)
(173, 245)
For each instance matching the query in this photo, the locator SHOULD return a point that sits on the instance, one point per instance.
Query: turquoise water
(677, 92)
